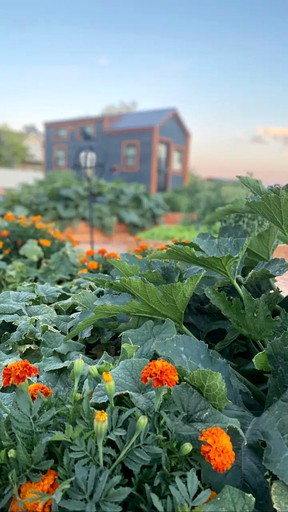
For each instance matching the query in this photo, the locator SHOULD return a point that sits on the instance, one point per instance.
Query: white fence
(11, 178)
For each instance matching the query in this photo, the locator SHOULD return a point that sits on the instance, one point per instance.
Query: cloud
(277, 133)
(258, 139)
(103, 61)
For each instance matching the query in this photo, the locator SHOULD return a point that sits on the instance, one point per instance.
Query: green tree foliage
(12, 148)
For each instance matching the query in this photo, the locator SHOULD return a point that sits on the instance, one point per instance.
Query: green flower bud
(12, 454)
(78, 367)
(185, 449)
(109, 385)
(100, 424)
(93, 370)
(141, 423)
(78, 397)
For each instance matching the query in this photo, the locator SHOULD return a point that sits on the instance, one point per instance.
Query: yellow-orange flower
(48, 485)
(83, 260)
(83, 271)
(36, 218)
(44, 242)
(102, 251)
(1, 244)
(142, 247)
(72, 239)
(36, 388)
(4, 233)
(92, 265)
(18, 372)
(101, 416)
(7, 251)
(162, 248)
(218, 449)
(9, 216)
(175, 240)
(212, 496)
(40, 225)
(113, 255)
(161, 373)
(107, 377)
(90, 252)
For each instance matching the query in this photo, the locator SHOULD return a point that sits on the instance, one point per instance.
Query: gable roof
(144, 119)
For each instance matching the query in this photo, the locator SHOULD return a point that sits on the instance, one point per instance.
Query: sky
(221, 63)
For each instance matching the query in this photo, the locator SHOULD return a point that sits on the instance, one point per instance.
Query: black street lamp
(87, 160)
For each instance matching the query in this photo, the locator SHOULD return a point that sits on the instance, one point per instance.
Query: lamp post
(87, 160)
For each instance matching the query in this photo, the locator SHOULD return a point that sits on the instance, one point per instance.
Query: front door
(163, 162)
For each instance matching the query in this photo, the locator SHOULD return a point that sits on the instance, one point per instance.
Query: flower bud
(78, 367)
(109, 385)
(100, 424)
(94, 371)
(12, 454)
(185, 449)
(78, 397)
(141, 423)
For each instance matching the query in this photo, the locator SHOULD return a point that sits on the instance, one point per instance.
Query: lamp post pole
(88, 163)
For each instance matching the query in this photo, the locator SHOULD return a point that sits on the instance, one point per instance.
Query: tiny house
(149, 147)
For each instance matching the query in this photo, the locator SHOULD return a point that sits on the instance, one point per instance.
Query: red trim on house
(55, 148)
(186, 160)
(180, 121)
(154, 162)
(136, 167)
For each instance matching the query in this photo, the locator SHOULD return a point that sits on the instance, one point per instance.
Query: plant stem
(186, 331)
(100, 451)
(257, 393)
(124, 451)
(237, 287)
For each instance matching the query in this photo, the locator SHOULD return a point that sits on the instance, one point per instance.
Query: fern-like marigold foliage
(161, 373)
(18, 372)
(48, 485)
(218, 449)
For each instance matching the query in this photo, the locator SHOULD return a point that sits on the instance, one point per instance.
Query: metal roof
(145, 119)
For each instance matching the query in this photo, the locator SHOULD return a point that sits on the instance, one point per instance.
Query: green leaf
(277, 354)
(266, 270)
(252, 318)
(261, 246)
(164, 301)
(279, 493)
(231, 499)
(273, 207)
(255, 186)
(31, 250)
(149, 333)
(125, 269)
(128, 351)
(261, 362)
(211, 385)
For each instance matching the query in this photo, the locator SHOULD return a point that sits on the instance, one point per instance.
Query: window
(61, 133)
(89, 130)
(130, 156)
(60, 158)
(177, 162)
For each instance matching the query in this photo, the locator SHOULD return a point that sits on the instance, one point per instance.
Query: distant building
(150, 147)
(34, 141)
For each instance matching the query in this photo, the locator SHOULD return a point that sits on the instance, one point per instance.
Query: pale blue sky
(222, 63)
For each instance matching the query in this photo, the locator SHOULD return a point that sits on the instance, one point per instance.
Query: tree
(121, 108)
(12, 148)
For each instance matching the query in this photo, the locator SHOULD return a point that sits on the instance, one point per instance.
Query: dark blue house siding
(172, 129)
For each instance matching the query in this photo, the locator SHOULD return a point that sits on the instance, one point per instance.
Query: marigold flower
(137, 239)
(36, 218)
(83, 271)
(142, 247)
(48, 485)
(175, 240)
(113, 255)
(102, 251)
(139, 256)
(9, 216)
(1, 244)
(40, 225)
(186, 241)
(90, 252)
(7, 251)
(218, 450)
(92, 265)
(161, 373)
(107, 377)
(57, 234)
(83, 260)
(72, 239)
(36, 388)
(101, 416)
(212, 496)
(44, 242)
(162, 248)
(18, 372)
(4, 233)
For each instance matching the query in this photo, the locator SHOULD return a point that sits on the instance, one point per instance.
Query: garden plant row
(154, 381)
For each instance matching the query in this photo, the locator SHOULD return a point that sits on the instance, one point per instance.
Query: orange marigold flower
(90, 252)
(36, 218)
(1, 244)
(113, 255)
(7, 251)
(218, 449)
(83, 260)
(17, 372)
(101, 416)
(4, 233)
(102, 251)
(162, 248)
(48, 485)
(57, 234)
(92, 265)
(175, 240)
(40, 225)
(139, 256)
(186, 241)
(161, 373)
(212, 496)
(72, 239)
(141, 248)
(83, 271)
(36, 388)
(107, 377)
(137, 238)
(9, 216)
(44, 242)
